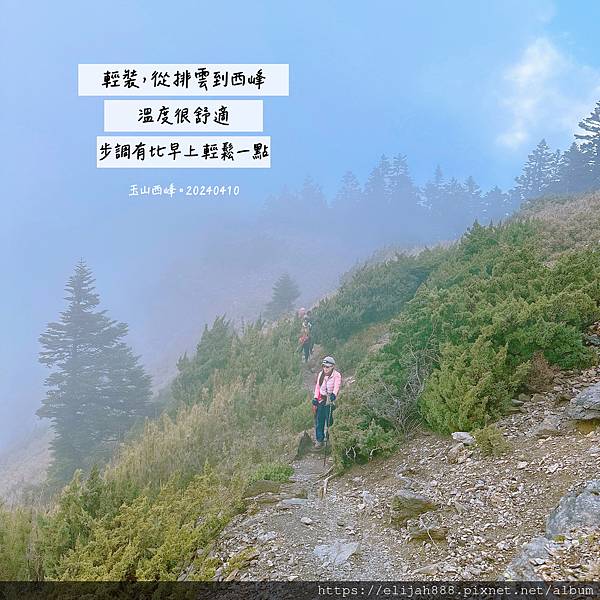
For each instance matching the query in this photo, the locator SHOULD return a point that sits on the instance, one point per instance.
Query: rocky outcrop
(458, 454)
(577, 511)
(533, 553)
(586, 405)
(419, 533)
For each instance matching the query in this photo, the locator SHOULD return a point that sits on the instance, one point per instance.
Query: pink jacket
(332, 384)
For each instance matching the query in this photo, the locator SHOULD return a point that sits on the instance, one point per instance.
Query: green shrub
(272, 472)
(153, 538)
(480, 318)
(472, 385)
(375, 293)
(490, 441)
(352, 352)
(358, 433)
(19, 558)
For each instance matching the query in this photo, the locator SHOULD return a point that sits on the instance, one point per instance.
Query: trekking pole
(327, 424)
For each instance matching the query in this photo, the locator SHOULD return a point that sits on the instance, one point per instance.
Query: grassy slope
(513, 289)
(185, 473)
(566, 223)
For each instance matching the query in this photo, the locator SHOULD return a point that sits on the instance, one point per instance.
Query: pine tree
(434, 192)
(285, 293)
(554, 170)
(574, 173)
(347, 205)
(372, 213)
(590, 146)
(213, 351)
(456, 211)
(400, 183)
(376, 194)
(474, 206)
(97, 389)
(282, 210)
(312, 200)
(496, 205)
(401, 189)
(538, 173)
(405, 217)
(349, 195)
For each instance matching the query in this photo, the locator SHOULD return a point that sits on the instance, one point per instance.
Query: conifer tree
(213, 351)
(574, 173)
(434, 192)
(285, 293)
(282, 210)
(400, 183)
(347, 205)
(554, 170)
(538, 173)
(377, 188)
(456, 207)
(97, 389)
(401, 189)
(349, 195)
(496, 205)
(590, 146)
(312, 201)
(474, 206)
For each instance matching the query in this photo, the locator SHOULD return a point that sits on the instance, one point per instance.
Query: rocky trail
(439, 508)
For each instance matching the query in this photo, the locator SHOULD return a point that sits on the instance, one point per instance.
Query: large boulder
(408, 505)
(292, 502)
(586, 405)
(577, 509)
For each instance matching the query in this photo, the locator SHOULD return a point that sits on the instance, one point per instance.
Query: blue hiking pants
(324, 415)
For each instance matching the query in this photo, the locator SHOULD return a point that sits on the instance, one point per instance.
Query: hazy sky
(468, 84)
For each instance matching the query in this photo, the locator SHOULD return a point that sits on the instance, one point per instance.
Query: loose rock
(337, 553)
(407, 505)
(463, 437)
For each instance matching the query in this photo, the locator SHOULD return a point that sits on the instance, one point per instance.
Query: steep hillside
(442, 341)
(437, 508)
(24, 464)
(567, 223)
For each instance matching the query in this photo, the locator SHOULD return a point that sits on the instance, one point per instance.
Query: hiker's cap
(328, 361)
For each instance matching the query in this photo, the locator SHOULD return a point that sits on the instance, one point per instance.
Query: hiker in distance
(327, 387)
(305, 340)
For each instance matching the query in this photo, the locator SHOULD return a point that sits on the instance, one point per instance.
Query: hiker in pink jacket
(327, 387)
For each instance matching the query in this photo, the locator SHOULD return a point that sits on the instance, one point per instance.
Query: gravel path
(486, 507)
